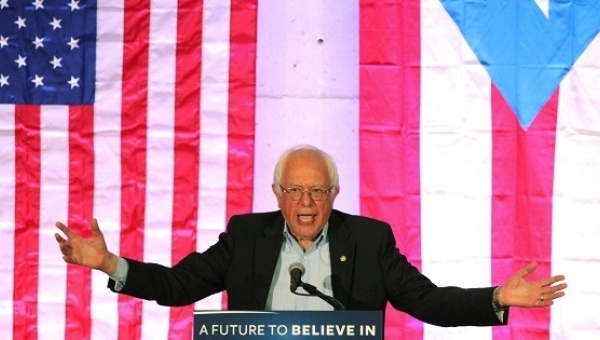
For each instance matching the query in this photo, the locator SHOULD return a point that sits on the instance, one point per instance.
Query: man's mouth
(306, 218)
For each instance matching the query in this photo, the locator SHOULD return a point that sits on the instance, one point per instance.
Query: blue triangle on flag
(526, 53)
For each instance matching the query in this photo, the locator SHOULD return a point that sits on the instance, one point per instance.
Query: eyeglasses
(317, 194)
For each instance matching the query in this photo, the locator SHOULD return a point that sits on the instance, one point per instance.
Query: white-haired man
(352, 258)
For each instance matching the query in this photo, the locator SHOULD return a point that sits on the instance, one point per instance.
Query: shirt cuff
(498, 309)
(120, 276)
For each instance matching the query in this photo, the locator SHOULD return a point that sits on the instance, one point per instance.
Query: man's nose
(306, 200)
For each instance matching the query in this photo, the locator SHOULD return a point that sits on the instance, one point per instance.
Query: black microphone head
(296, 271)
(296, 265)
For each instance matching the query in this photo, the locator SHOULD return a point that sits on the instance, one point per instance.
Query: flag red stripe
(133, 151)
(27, 220)
(81, 189)
(241, 115)
(187, 146)
(504, 150)
(389, 130)
(242, 94)
(522, 205)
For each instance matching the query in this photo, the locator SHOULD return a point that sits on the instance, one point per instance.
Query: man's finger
(64, 229)
(65, 247)
(59, 238)
(558, 288)
(551, 280)
(69, 259)
(94, 226)
(527, 269)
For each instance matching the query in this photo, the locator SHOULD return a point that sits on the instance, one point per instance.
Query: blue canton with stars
(47, 52)
(525, 53)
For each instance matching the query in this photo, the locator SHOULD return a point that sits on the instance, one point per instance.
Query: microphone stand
(313, 291)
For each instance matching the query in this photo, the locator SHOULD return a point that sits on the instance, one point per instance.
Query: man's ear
(277, 193)
(335, 192)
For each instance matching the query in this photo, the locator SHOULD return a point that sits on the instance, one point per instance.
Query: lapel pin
(343, 258)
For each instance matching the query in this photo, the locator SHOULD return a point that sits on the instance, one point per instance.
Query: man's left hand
(520, 292)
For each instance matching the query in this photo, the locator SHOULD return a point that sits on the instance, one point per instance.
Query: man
(353, 258)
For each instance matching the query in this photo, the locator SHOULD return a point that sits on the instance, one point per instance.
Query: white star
(3, 80)
(3, 3)
(74, 4)
(74, 43)
(21, 61)
(74, 82)
(3, 41)
(20, 22)
(56, 62)
(38, 42)
(38, 81)
(544, 6)
(55, 23)
(38, 4)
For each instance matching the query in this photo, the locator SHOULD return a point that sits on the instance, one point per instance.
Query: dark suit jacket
(367, 272)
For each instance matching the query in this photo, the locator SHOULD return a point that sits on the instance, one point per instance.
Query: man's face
(306, 217)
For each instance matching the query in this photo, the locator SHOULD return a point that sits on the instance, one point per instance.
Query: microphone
(296, 271)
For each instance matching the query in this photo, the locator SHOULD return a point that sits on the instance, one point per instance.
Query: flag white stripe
(455, 163)
(214, 99)
(307, 89)
(107, 160)
(54, 204)
(576, 227)
(160, 155)
(7, 218)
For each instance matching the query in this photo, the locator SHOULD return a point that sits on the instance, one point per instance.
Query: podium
(288, 325)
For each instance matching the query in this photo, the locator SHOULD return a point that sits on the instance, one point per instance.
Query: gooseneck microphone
(296, 271)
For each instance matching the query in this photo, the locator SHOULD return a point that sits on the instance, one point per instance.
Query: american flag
(163, 118)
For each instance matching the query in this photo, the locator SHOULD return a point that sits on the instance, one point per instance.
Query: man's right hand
(89, 252)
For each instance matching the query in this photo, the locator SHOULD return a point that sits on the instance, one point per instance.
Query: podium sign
(288, 324)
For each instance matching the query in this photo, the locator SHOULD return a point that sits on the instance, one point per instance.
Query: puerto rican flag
(472, 127)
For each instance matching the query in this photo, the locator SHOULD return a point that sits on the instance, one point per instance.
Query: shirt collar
(321, 239)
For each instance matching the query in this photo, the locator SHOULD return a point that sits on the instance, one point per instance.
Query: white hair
(329, 162)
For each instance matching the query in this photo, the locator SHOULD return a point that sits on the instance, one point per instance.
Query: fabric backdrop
(472, 127)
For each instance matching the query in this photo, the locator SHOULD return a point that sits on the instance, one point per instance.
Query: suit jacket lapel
(267, 252)
(342, 250)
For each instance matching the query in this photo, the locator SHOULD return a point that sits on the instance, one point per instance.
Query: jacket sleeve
(195, 277)
(412, 292)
